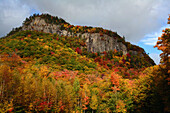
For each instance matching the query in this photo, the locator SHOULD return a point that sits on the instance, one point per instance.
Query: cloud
(12, 14)
(155, 57)
(151, 39)
(131, 18)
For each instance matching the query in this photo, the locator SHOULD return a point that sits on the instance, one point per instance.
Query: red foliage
(104, 52)
(52, 53)
(116, 70)
(16, 50)
(78, 50)
(128, 55)
(29, 36)
(10, 110)
(115, 51)
(44, 104)
(24, 62)
(61, 105)
(97, 59)
(70, 26)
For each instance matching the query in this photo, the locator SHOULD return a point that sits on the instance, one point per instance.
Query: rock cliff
(94, 41)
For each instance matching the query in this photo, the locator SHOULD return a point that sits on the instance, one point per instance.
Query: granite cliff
(96, 39)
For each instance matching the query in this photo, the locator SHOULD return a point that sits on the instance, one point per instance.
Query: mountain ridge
(96, 39)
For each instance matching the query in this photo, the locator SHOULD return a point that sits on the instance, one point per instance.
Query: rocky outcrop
(39, 24)
(97, 43)
(94, 41)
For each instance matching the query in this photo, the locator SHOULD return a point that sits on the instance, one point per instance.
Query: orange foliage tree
(163, 44)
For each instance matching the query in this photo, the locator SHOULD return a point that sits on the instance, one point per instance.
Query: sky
(140, 21)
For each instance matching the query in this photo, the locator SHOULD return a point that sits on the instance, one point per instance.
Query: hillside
(95, 40)
(48, 65)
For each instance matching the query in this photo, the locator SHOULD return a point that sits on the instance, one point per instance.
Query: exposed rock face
(39, 24)
(95, 42)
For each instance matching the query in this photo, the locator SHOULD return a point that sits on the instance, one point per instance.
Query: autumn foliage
(163, 44)
(42, 72)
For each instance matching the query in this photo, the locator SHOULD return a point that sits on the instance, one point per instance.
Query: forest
(44, 72)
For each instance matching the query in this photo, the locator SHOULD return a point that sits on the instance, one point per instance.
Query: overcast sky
(140, 21)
